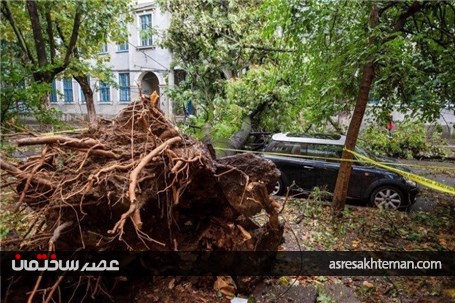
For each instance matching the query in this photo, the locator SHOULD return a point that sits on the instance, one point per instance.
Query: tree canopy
(46, 39)
(333, 42)
(231, 66)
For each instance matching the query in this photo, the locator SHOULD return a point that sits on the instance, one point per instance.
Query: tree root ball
(136, 183)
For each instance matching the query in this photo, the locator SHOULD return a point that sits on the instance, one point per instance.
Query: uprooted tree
(135, 183)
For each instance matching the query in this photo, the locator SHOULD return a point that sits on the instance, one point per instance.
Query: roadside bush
(409, 140)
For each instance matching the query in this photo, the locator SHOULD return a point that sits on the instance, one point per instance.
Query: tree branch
(415, 7)
(269, 49)
(74, 36)
(40, 46)
(21, 41)
(72, 43)
(50, 35)
(60, 33)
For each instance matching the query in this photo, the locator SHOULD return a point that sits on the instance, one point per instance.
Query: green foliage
(408, 141)
(332, 39)
(36, 65)
(311, 71)
(220, 52)
(7, 148)
(323, 296)
(329, 39)
(20, 95)
(3, 231)
(104, 24)
(265, 86)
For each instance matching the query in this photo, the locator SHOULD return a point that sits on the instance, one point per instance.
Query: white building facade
(139, 65)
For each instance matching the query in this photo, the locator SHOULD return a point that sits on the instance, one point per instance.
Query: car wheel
(279, 188)
(387, 197)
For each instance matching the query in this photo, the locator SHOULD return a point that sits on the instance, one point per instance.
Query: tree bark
(239, 138)
(40, 45)
(344, 174)
(89, 103)
(50, 35)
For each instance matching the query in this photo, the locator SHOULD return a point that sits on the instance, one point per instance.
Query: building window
(146, 30)
(103, 48)
(122, 47)
(68, 90)
(124, 86)
(105, 92)
(53, 96)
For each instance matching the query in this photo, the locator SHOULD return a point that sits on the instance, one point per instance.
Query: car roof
(333, 139)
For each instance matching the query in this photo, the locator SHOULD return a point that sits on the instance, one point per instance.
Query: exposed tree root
(62, 140)
(136, 183)
(23, 175)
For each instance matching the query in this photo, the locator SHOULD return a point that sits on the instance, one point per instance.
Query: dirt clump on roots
(136, 183)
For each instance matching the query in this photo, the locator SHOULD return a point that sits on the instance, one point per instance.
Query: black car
(313, 161)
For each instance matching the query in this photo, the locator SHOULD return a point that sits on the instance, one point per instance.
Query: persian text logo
(44, 262)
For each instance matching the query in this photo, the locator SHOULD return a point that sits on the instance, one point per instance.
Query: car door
(321, 170)
(285, 155)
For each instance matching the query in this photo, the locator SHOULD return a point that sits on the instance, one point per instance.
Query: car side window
(324, 150)
(280, 147)
(293, 148)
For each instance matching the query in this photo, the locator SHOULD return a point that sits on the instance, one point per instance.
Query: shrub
(409, 140)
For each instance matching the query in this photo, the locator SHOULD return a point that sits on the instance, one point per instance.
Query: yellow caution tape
(335, 159)
(416, 178)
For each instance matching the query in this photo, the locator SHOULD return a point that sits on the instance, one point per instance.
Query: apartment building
(138, 64)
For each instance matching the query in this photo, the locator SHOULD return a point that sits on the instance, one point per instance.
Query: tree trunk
(90, 104)
(45, 100)
(239, 138)
(341, 187)
(344, 174)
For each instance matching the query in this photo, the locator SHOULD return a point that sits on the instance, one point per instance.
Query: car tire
(279, 188)
(387, 197)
